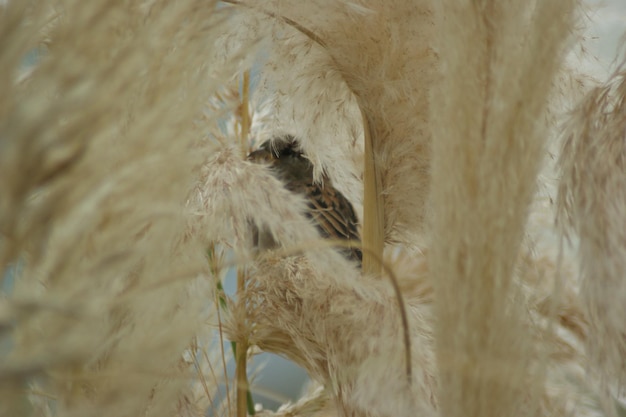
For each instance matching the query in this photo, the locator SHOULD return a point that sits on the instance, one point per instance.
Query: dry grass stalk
(487, 148)
(373, 235)
(241, 356)
(592, 200)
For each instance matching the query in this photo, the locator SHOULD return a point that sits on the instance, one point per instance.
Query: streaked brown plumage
(332, 212)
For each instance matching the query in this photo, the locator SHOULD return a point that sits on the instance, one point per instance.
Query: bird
(330, 210)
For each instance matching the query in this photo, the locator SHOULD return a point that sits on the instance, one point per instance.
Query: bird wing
(334, 215)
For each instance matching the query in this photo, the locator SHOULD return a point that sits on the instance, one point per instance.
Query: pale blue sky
(606, 32)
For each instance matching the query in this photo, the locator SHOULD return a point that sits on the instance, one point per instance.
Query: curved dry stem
(241, 347)
(373, 205)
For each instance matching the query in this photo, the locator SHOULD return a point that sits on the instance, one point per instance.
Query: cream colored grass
(345, 334)
(498, 62)
(313, 308)
(376, 63)
(96, 164)
(592, 201)
(125, 196)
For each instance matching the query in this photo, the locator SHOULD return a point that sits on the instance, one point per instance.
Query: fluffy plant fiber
(307, 302)
(556, 323)
(487, 148)
(347, 334)
(244, 194)
(496, 326)
(96, 162)
(592, 201)
(372, 60)
(98, 149)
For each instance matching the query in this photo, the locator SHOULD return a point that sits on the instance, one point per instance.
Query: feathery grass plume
(592, 200)
(95, 165)
(557, 325)
(346, 332)
(498, 60)
(295, 305)
(244, 194)
(312, 306)
(371, 60)
(558, 332)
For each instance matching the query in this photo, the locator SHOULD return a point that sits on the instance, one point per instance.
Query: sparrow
(330, 210)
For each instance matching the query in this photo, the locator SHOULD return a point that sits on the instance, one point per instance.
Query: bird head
(285, 157)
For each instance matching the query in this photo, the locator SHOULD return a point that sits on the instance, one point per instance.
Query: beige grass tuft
(96, 163)
(592, 200)
(125, 197)
(346, 333)
(487, 148)
(375, 62)
(307, 302)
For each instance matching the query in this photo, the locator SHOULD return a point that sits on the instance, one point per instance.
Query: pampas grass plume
(592, 201)
(96, 165)
(126, 198)
(487, 148)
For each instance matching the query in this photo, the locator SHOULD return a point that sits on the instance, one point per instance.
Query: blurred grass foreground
(487, 173)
